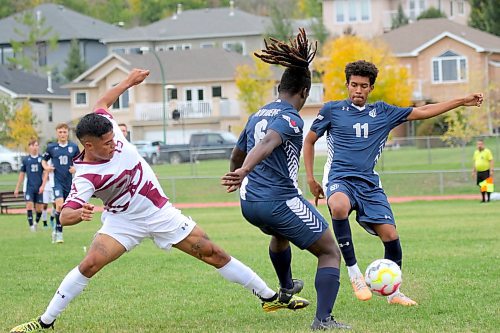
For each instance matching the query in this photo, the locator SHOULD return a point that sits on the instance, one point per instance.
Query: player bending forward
(135, 208)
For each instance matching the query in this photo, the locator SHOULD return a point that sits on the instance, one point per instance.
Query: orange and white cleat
(361, 290)
(400, 298)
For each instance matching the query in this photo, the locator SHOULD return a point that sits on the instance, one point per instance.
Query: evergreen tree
(74, 64)
(431, 12)
(281, 27)
(400, 19)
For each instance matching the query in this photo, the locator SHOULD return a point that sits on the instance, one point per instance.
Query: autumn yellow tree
(393, 83)
(254, 84)
(22, 126)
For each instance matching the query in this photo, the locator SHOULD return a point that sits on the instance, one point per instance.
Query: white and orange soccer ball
(383, 277)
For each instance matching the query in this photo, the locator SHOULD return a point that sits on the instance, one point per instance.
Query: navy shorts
(369, 201)
(295, 219)
(32, 195)
(61, 191)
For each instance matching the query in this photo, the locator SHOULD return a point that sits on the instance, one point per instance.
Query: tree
(22, 126)
(254, 84)
(281, 26)
(393, 82)
(431, 12)
(34, 37)
(74, 64)
(6, 111)
(400, 19)
(485, 16)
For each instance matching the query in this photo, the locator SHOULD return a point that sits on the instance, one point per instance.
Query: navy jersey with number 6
(32, 167)
(275, 178)
(62, 159)
(356, 137)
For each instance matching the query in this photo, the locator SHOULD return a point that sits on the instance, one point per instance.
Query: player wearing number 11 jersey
(356, 133)
(61, 154)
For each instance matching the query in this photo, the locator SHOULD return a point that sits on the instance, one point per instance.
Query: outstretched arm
(258, 153)
(432, 110)
(314, 186)
(135, 77)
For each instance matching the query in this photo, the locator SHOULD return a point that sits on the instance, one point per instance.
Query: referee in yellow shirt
(483, 166)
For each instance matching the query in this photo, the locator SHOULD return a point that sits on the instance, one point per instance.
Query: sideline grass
(450, 267)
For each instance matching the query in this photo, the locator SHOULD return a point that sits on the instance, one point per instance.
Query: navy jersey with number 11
(356, 137)
(275, 178)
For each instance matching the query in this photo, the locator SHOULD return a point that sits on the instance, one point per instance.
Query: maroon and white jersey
(126, 184)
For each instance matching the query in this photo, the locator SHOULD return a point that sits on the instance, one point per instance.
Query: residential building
(369, 18)
(447, 60)
(65, 25)
(199, 83)
(49, 102)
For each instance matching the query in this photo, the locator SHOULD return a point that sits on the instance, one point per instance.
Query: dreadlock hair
(296, 56)
(361, 68)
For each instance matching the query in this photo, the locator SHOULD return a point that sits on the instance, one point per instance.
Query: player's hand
(16, 193)
(474, 100)
(232, 188)
(87, 212)
(40, 190)
(72, 169)
(136, 76)
(232, 180)
(317, 191)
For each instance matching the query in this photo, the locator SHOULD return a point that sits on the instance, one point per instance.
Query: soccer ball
(383, 277)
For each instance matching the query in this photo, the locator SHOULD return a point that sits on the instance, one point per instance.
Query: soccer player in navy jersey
(61, 153)
(32, 167)
(264, 166)
(356, 132)
(111, 169)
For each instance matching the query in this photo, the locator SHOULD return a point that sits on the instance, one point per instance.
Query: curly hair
(296, 56)
(361, 68)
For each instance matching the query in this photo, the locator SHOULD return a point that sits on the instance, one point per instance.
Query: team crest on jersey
(70, 150)
(373, 113)
(39, 159)
(292, 123)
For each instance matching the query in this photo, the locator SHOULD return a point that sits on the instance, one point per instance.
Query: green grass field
(451, 253)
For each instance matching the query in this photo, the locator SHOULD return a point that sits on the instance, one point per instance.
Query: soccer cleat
(361, 290)
(284, 301)
(33, 228)
(59, 238)
(400, 298)
(328, 324)
(35, 325)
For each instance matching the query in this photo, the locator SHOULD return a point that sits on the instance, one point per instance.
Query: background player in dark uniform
(61, 153)
(32, 167)
(356, 135)
(265, 164)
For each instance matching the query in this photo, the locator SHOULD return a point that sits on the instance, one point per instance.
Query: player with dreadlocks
(264, 166)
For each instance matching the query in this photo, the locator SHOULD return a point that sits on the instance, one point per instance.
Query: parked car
(201, 146)
(149, 150)
(9, 160)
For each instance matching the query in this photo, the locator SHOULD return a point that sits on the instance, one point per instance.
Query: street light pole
(164, 112)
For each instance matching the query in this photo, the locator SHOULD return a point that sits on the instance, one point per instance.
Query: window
(81, 98)
(449, 67)
(118, 51)
(186, 46)
(451, 8)
(123, 101)
(200, 94)
(352, 11)
(415, 7)
(461, 7)
(42, 53)
(135, 50)
(50, 112)
(207, 45)
(216, 91)
(6, 53)
(172, 93)
(237, 47)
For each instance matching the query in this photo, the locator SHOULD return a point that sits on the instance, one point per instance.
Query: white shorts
(48, 196)
(166, 227)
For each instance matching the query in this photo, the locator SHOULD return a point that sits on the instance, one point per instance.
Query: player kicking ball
(136, 208)
(356, 134)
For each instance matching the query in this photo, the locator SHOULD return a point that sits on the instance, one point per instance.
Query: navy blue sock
(394, 252)
(29, 212)
(282, 262)
(59, 227)
(327, 285)
(343, 234)
(38, 216)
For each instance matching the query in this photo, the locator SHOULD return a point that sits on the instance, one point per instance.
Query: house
(199, 83)
(227, 27)
(369, 18)
(49, 102)
(447, 59)
(66, 25)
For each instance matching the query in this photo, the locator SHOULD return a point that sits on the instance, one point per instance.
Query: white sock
(236, 271)
(44, 215)
(354, 271)
(72, 285)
